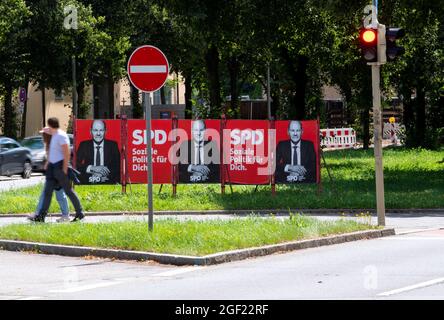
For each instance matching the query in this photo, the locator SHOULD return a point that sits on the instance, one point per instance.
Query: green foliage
(418, 75)
(13, 59)
(223, 48)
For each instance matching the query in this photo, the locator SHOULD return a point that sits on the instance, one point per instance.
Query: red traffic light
(368, 36)
(368, 41)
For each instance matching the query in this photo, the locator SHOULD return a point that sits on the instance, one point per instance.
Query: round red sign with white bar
(148, 68)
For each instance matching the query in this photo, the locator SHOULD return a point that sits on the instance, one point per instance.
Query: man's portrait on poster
(98, 159)
(295, 158)
(199, 157)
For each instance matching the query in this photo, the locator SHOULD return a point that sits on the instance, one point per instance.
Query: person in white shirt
(57, 172)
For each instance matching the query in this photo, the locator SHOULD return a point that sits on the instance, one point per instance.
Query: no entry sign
(148, 68)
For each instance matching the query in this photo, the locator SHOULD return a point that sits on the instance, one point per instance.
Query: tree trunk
(42, 88)
(162, 95)
(81, 108)
(420, 117)
(25, 111)
(110, 95)
(188, 93)
(301, 87)
(408, 118)
(365, 119)
(212, 66)
(347, 93)
(297, 70)
(233, 69)
(275, 102)
(135, 103)
(10, 126)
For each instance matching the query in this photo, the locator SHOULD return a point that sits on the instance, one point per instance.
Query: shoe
(78, 217)
(36, 218)
(63, 219)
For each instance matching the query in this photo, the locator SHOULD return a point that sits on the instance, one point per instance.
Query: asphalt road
(15, 182)
(408, 266)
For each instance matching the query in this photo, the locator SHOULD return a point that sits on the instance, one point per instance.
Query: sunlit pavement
(16, 182)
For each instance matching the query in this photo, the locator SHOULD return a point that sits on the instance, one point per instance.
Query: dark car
(14, 159)
(38, 153)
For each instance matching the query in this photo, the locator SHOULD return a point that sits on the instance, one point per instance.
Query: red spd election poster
(198, 151)
(137, 153)
(97, 151)
(297, 152)
(246, 145)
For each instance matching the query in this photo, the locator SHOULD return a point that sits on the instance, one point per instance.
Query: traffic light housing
(368, 41)
(393, 50)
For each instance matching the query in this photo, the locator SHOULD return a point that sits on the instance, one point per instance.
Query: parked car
(38, 154)
(14, 159)
(35, 143)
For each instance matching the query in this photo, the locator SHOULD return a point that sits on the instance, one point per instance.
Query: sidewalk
(401, 222)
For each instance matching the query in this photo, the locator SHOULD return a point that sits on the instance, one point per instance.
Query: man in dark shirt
(98, 160)
(295, 158)
(202, 161)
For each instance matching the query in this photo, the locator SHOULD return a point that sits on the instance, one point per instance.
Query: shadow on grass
(408, 184)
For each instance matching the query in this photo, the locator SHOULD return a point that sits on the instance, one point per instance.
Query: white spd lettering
(139, 137)
(95, 179)
(241, 136)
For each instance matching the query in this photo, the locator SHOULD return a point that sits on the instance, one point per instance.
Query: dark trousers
(56, 177)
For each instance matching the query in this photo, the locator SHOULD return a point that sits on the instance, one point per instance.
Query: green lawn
(186, 237)
(413, 179)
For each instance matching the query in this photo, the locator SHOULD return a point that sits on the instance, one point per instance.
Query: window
(156, 97)
(33, 144)
(9, 146)
(168, 96)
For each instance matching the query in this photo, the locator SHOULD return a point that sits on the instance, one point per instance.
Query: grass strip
(413, 179)
(187, 237)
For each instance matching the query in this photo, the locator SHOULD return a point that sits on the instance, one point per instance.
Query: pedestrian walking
(60, 194)
(57, 172)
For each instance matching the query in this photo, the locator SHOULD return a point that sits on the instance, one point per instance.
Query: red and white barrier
(338, 138)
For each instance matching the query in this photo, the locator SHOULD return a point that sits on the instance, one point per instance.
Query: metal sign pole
(149, 159)
(377, 141)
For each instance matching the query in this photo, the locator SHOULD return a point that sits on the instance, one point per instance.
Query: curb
(410, 231)
(248, 212)
(180, 260)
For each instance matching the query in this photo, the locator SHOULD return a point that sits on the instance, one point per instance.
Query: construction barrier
(338, 138)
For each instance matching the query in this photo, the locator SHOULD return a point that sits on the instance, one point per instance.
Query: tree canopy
(222, 50)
